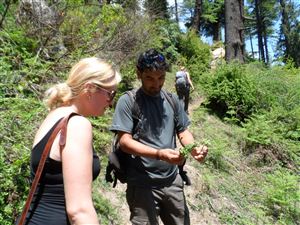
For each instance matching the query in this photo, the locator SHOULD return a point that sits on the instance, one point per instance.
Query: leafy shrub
(26, 81)
(265, 137)
(260, 131)
(196, 54)
(287, 122)
(102, 136)
(14, 185)
(128, 77)
(230, 92)
(16, 38)
(196, 67)
(22, 71)
(216, 155)
(169, 35)
(281, 196)
(191, 46)
(19, 118)
(272, 132)
(80, 26)
(278, 86)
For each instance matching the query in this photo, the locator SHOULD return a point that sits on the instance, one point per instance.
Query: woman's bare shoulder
(55, 116)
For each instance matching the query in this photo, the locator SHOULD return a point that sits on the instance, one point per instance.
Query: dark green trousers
(147, 205)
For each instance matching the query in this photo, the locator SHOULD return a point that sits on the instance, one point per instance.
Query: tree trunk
(285, 28)
(197, 16)
(251, 44)
(216, 31)
(259, 31)
(266, 46)
(234, 30)
(176, 12)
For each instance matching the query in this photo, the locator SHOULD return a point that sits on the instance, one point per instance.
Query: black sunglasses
(110, 94)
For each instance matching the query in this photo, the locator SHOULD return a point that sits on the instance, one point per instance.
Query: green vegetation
(186, 150)
(19, 118)
(253, 159)
(250, 114)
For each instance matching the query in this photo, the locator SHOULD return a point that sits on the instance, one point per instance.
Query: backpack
(181, 83)
(117, 159)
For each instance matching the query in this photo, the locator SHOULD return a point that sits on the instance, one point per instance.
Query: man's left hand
(199, 153)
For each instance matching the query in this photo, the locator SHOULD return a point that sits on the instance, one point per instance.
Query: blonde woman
(64, 194)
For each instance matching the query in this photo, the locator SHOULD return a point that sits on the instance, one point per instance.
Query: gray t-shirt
(157, 126)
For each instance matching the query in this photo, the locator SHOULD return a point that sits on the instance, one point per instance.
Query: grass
(232, 187)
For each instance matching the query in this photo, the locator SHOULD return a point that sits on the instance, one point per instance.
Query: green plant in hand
(186, 150)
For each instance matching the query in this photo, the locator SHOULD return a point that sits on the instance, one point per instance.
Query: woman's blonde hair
(92, 70)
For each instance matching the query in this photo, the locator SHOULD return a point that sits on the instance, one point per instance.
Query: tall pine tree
(234, 30)
(289, 39)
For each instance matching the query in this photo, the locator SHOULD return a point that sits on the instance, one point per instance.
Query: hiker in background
(183, 83)
(64, 193)
(154, 186)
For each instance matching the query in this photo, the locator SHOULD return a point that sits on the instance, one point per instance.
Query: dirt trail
(199, 214)
(194, 104)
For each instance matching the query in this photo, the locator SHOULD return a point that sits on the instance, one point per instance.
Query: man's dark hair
(152, 60)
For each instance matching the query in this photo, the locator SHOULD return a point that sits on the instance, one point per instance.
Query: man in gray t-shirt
(154, 188)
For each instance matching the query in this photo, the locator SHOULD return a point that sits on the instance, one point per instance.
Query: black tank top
(48, 204)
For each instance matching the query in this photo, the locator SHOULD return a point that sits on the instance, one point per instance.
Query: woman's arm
(77, 161)
(189, 79)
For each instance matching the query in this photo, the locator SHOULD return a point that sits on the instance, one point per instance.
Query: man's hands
(176, 157)
(199, 153)
(170, 156)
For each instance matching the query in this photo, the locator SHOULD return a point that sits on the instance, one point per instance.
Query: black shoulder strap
(173, 104)
(133, 95)
(136, 111)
